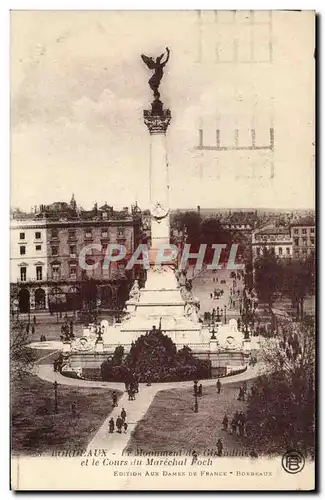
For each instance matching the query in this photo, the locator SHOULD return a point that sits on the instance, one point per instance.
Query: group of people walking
(132, 389)
(119, 424)
(237, 424)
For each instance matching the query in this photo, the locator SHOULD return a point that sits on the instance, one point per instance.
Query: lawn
(36, 429)
(170, 422)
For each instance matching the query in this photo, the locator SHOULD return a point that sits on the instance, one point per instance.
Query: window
(39, 273)
(88, 234)
(55, 271)
(55, 250)
(272, 250)
(304, 231)
(104, 233)
(312, 230)
(38, 248)
(72, 234)
(37, 235)
(54, 233)
(73, 249)
(312, 241)
(73, 271)
(296, 231)
(22, 250)
(304, 242)
(280, 251)
(258, 251)
(23, 273)
(21, 236)
(288, 250)
(296, 241)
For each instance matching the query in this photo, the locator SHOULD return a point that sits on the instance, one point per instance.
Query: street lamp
(196, 405)
(213, 337)
(55, 385)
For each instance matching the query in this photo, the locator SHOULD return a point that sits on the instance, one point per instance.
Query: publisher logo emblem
(293, 462)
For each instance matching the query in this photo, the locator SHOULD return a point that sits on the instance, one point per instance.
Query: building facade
(276, 240)
(29, 262)
(303, 233)
(46, 263)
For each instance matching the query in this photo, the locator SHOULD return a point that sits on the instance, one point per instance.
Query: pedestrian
(123, 414)
(126, 386)
(55, 365)
(225, 423)
(210, 295)
(114, 398)
(133, 394)
(33, 330)
(218, 386)
(119, 424)
(233, 425)
(27, 328)
(200, 390)
(71, 328)
(136, 387)
(111, 425)
(130, 394)
(34, 320)
(219, 447)
(125, 425)
(241, 394)
(195, 388)
(74, 408)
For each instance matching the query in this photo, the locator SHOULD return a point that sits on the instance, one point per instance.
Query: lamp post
(225, 314)
(196, 405)
(55, 385)
(213, 336)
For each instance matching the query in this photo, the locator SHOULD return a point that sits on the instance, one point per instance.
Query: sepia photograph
(162, 250)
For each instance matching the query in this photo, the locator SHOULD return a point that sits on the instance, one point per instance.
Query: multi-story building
(303, 233)
(276, 240)
(60, 273)
(29, 261)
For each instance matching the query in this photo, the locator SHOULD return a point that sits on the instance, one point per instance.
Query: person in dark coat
(219, 447)
(119, 424)
(225, 423)
(123, 414)
(111, 425)
(233, 426)
(218, 386)
(114, 399)
(125, 425)
(200, 390)
(34, 320)
(241, 394)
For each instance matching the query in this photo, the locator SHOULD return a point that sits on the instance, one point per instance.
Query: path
(135, 410)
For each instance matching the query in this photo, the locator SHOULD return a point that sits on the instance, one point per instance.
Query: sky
(79, 87)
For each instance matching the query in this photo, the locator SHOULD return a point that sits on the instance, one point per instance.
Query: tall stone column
(157, 120)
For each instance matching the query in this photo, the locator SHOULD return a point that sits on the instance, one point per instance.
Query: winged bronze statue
(157, 65)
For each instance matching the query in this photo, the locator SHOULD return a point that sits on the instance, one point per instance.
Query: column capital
(157, 123)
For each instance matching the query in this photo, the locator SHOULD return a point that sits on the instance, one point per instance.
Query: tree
(268, 277)
(298, 281)
(22, 357)
(281, 411)
(154, 358)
